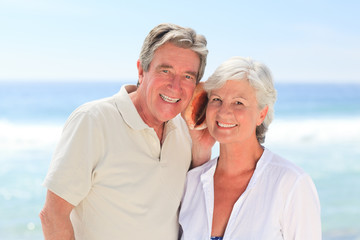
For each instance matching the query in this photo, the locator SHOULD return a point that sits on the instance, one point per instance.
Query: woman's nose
(224, 109)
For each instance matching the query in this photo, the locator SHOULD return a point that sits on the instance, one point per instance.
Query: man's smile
(169, 99)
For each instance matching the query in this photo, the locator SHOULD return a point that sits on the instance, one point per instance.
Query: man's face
(166, 89)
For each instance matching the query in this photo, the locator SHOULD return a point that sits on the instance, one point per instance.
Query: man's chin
(168, 117)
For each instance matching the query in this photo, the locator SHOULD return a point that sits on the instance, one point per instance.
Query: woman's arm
(302, 211)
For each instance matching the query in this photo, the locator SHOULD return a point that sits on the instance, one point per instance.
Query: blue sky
(300, 41)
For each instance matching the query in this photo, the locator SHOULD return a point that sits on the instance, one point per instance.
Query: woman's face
(232, 113)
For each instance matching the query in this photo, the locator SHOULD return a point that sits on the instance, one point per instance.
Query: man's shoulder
(96, 106)
(93, 111)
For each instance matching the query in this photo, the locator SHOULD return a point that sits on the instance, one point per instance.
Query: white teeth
(226, 125)
(169, 99)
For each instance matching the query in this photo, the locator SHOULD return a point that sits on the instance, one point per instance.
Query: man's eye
(190, 78)
(238, 103)
(165, 71)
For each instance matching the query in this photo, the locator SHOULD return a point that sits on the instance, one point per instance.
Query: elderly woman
(248, 192)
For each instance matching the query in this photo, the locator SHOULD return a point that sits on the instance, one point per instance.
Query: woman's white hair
(259, 77)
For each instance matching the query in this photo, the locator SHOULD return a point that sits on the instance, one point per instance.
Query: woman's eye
(238, 103)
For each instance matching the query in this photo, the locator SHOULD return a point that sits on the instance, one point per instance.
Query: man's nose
(176, 83)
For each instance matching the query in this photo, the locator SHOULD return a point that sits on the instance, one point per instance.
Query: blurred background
(57, 55)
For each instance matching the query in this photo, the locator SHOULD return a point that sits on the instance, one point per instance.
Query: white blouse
(280, 202)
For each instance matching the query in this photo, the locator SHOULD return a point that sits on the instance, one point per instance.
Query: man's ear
(263, 113)
(140, 72)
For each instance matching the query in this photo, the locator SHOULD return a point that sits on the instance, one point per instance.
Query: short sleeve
(74, 160)
(302, 211)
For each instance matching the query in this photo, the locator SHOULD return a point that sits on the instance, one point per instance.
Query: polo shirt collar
(127, 108)
(129, 113)
(169, 127)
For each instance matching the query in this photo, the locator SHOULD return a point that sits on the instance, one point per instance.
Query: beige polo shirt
(110, 165)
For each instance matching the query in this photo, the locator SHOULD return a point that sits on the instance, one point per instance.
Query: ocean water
(317, 126)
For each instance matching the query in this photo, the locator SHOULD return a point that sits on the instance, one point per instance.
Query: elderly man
(119, 169)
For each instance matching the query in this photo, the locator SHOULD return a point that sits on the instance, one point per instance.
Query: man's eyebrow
(192, 73)
(164, 66)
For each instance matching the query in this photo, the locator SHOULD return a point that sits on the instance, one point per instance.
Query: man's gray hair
(180, 37)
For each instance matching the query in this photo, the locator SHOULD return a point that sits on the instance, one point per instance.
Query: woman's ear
(262, 115)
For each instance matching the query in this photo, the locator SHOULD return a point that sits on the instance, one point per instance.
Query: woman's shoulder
(276, 162)
(285, 175)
